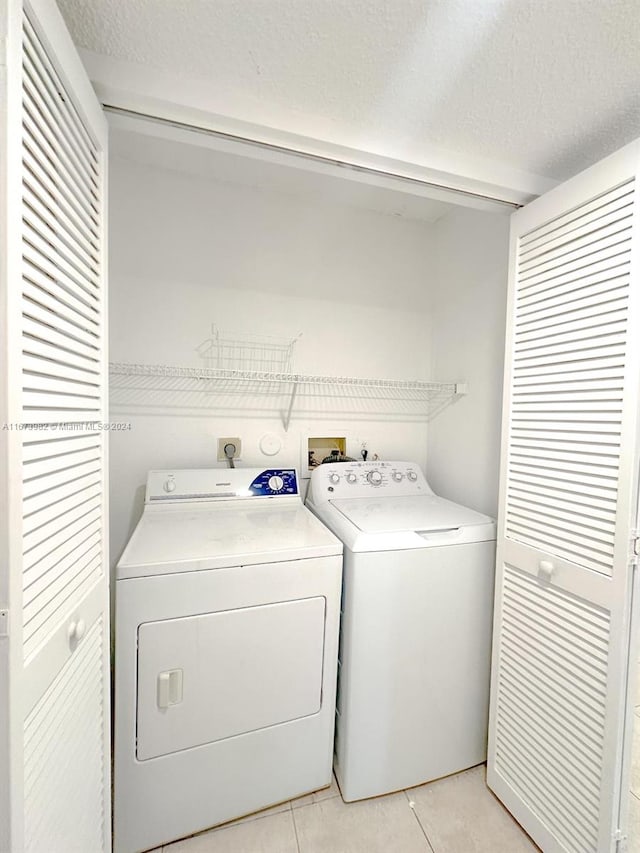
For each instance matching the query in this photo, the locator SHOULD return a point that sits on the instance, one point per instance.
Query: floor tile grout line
(415, 814)
(295, 828)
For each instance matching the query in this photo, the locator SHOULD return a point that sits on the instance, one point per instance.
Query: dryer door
(218, 675)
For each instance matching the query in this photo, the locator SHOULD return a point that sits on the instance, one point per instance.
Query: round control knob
(276, 483)
(374, 477)
(397, 476)
(170, 485)
(334, 478)
(351, 478)
(411, 475)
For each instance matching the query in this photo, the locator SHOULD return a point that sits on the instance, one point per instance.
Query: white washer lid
(419, 513)
(169, 540)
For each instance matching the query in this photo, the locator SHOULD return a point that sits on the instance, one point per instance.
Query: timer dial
(374, 477)
(170, 485)
(276, 483)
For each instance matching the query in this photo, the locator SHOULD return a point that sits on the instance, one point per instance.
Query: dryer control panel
(206, 484)
(363, 479)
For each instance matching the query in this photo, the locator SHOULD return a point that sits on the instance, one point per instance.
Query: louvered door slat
(55, 97)
(609, 245)
(569, 464)
(65, 261)
(50, 312)
(36, 257)
(66, 483)
(39, 124)
(38, 324)
(41, 175)
(40, 449)
(83, 301)
(579, 243)
(43, 220)
(592, 322)
(563, 238)
(566, 310)
(48, 518)
(582, 741)
(35, 368)
(52, 208)
(49, 351)
(592, 454)
(38, 547)
(51, 173)
(40, 474)
(574, 502)
(40, 181)
(610, 257)
(45, 579)
(586, 211)
(595, 274)
(58, 299)
(58, 388)
(557, 511)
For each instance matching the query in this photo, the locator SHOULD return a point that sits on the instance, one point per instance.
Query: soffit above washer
(544, 86)
(224, 167)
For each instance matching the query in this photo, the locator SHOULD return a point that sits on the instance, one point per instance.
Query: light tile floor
(453, 815)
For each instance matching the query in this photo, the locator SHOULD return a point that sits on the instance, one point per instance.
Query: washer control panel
(203, 484)
(358, 479)
(275, 481)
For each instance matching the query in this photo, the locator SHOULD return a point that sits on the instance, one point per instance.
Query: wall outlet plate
(222, 442)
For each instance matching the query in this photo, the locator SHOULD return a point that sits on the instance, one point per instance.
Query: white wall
(468, 321)
(186, 252)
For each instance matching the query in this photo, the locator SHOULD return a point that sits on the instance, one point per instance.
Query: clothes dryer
(227, 614)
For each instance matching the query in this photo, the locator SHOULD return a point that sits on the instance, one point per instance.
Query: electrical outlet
(222, 443)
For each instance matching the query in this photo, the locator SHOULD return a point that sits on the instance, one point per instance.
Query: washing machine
(227, 619)
(415, 641)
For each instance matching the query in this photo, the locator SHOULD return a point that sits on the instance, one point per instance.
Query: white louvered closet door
(55, 726)
(567, 508)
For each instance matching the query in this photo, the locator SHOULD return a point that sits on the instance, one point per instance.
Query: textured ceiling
(546, 86)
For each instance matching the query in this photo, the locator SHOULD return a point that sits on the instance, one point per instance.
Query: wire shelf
(202, 387)
(204, 373)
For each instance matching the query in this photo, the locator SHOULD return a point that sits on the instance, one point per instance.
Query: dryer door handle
(169, 688)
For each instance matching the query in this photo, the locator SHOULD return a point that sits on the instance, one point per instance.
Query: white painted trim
(148, 91)
(11, 728)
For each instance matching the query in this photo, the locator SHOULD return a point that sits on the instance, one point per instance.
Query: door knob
(76, 630)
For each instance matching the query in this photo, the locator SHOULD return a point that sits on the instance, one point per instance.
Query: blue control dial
(275, 481)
